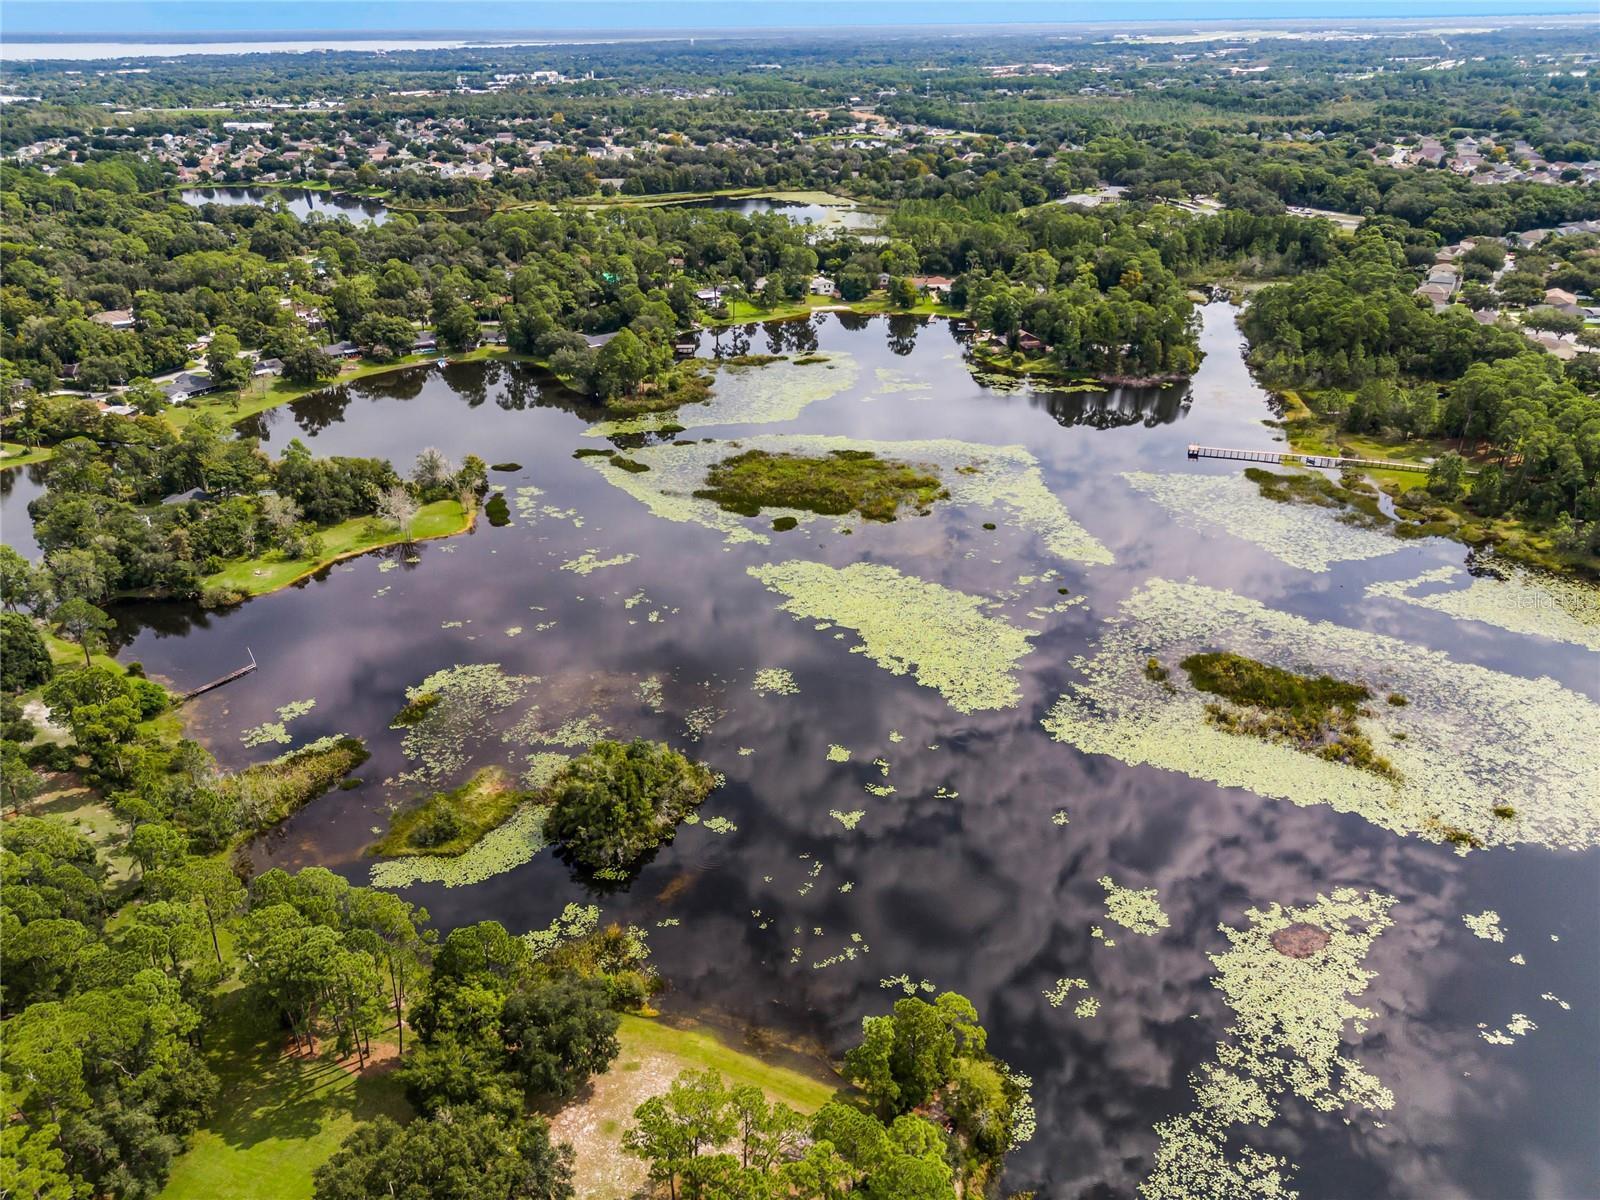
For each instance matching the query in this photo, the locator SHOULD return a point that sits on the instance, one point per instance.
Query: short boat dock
(218, 682)
(1328, 461)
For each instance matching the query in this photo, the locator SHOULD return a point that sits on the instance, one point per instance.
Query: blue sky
(83, 18)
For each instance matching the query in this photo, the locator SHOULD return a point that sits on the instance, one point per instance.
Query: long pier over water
(1330, 461)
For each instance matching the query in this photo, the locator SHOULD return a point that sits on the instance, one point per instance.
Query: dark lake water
(960, 877)
(302, 202)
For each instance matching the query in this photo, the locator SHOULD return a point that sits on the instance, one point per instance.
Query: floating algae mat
(1006, 478)
(452, 708)
(1566, 610)
(907, 624)
(751, 395)
(1480, 758)
(1287, 1036)
(1307, 537)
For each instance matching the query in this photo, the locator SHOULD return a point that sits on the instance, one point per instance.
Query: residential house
(116, 318)
(187, 385)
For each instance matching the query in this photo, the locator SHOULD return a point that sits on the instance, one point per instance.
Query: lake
(840, 216)
(875, 833)
(302, 202)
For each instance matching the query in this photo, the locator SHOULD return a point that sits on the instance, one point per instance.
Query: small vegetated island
(614, 804)
(1318, 714)
(450, 823)
(831, 484)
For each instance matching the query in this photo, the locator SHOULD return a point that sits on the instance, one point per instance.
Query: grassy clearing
(278, 1117)
(743, 311)
(654, 1052)
(449, 823)
(13, 454)
(831, 484)
(79, 806)
(268, 573)
(68, 656)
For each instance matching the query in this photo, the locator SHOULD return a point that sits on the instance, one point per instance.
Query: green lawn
(741, 312)
(260, 396)
(277, 1118)
(697, 1047)
(268, 573)
(14, 455)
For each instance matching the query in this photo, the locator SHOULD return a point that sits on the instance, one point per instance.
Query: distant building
(117, 318)
(188, 385)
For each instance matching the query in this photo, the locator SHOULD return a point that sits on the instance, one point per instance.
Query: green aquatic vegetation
(1312, 540)
(505, 466)
(832, 484)
(277, 731)
(1522, 601)
(1357, 505)
(1085, 1008)
(587, 564)
(504, 848)
(752, 360)
(848, 819)
(1556, 1000)
(784, 524)
(880, 790)
(1520, 1025)
(1475, 738)
(774, 681)
(1062, 989)
(576, 921)
(908, 985)
(698, 722)
(447, 823)
(440, 737)
(592, 452)
(1485, 925)
(1136, 909)
(628, 464)
(1316, 714)
(498, 511)
(890, 381)
(649, 693)
(573, 733)
(719, 825)
(837, 753)
(1287, 1035)
(908, 624)
(1059, 817)
(976, 476)
(780, 391)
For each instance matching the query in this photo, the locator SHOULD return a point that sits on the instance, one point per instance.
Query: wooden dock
(1328, 461)
(216, 683)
